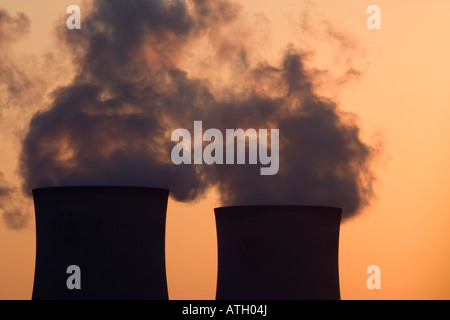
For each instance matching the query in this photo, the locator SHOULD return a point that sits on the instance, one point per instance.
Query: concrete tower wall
(116, 235)
(278, 252)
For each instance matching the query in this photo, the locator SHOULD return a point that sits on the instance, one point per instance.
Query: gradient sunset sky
(399, 95)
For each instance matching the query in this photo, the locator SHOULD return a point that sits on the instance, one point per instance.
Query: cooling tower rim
(95, 188)
(279, 210)
(287, 206)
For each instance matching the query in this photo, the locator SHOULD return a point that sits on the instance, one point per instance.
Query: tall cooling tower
(278, 252)
(115, 235)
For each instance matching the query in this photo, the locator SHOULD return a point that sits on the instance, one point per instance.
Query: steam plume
(112, 124)
(14, 91)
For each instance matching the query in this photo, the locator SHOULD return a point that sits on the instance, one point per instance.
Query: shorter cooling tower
(115, 235)
(278, 252)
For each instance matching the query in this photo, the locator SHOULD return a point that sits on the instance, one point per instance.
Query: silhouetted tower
(116, 235)
(278, 252)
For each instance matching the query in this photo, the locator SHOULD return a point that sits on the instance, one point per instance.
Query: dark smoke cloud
(12, 27)
(13, 215)
(5, 191)
(112, 124)
(14, 84)
(322, 158)
(13, 80)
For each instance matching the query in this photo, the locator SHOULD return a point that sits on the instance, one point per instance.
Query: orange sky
(402, 96)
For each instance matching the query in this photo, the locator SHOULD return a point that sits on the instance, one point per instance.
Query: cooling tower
(278, 252)
(115, 235)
